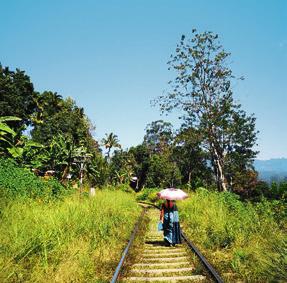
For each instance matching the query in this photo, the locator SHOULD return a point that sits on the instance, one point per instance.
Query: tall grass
(74, 240)
(240, 239)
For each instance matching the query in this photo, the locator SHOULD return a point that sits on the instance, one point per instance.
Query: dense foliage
(59, 116)
(17, 97)
(60, 132)
(18, 182)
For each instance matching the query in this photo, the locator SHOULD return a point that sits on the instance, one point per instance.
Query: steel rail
(208, 266)
(125, 252)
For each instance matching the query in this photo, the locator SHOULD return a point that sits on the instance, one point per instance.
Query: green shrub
(20, 182)
(148, 195)
(125, 188)
(74, 240)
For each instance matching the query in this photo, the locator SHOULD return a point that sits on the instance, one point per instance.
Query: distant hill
(272, 169)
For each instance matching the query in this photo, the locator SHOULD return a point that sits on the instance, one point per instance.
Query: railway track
(152, 261)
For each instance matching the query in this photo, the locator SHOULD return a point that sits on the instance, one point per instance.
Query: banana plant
(62, 153)
(19, 147)
(6, 133)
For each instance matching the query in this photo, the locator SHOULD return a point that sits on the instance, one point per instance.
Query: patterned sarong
(171, 227)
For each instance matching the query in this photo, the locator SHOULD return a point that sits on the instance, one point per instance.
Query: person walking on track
(170, 219)
(169, 215)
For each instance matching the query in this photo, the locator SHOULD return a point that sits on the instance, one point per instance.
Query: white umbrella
(172, 194)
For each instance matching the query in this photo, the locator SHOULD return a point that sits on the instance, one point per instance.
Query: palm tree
(110, 141)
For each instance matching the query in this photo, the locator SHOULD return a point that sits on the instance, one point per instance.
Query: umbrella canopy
(172, 194)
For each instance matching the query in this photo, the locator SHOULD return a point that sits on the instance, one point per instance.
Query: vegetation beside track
(74, 239)
(244, 239)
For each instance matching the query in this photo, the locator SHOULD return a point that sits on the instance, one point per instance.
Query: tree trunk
(108, 154)
(220, 177)
(189, 178)
(65, 174)
(218, 166)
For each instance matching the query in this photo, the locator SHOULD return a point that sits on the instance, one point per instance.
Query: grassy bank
(66, 241)
(240, 239)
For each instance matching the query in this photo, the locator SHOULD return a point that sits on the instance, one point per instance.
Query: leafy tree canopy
(17, 97)
(159, 136)
(202, 90)
(59, 116)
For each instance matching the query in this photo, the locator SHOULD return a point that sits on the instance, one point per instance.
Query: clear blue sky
(110, 56)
